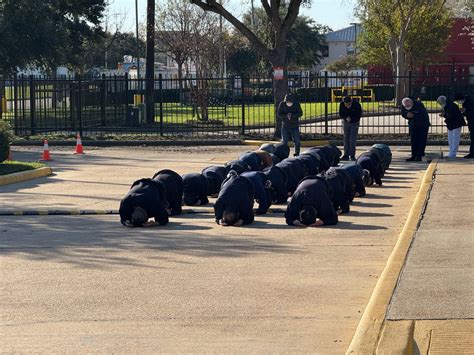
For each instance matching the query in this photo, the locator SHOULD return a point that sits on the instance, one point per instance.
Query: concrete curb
(25, 176)
(368, 332)
(77, 212)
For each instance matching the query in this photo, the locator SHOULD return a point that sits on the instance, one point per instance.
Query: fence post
(326, 94)
(127, 94)
(15, 104)
(79, 102)
(410, 76)
(160, 86)
(242, 91)
(32, 106)
(102, 99)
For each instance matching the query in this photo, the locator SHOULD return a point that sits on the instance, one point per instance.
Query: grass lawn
(10, 167)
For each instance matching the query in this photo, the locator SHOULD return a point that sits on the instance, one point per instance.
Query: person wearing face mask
(418, 125)
(289, 112)
(350, 111)
(467, 109)
(454, 121)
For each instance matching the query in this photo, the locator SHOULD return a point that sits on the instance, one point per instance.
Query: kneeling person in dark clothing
(215, 176)
(369, 161)
(234, 205)
(360, 177)
(146, 199)
(194, 190)
(279, 182)
(253, 160)
(174, 189)
(340, 193)
(262, 187)
(237, 165)
(311, 205)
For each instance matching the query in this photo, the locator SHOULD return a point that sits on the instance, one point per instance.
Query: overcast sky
(335, 14)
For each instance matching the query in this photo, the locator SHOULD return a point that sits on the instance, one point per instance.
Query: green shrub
(5, 140)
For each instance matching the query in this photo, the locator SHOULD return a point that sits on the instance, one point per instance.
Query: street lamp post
(150, 62)
(138, 47)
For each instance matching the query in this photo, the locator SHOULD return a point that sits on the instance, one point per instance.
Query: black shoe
(345, 157)
(418, 159)
(353, 158)
(469, 156)
(411, 159)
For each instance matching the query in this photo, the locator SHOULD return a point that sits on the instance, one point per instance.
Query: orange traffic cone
(46, 155)
(79, 148)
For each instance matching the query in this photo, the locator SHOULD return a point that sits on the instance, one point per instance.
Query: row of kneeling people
(317, 189)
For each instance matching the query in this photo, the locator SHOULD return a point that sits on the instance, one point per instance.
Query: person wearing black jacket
(358, 176)
(311, 163)
(214, 175)
(234, 205)
(289, 112)
(253, 160)
(295, 172)
(311, 205)
(146, 199)
(467, 109)
(237, 165)
(194, 190)
(262, 186)
(174, 189)
(371, 162)
(279, 180)
(322, 156)
(454, 121)
(339, 193)
(282, 151)
(418, 125)
(350, 111)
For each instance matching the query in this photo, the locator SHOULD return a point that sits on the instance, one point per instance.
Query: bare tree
(282, 15)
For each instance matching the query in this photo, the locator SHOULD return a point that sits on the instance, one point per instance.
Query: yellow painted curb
(312, 143)
(397, 338)
(369, 330)
(25, 176)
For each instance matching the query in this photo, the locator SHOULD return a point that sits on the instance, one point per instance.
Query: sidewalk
(436, 287)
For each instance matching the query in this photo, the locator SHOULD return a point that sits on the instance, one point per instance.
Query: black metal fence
(217, 107)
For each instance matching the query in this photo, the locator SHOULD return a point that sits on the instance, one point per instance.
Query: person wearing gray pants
(350, 111)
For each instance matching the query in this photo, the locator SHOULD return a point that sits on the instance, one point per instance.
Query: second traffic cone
(79, 148)
(46, 156)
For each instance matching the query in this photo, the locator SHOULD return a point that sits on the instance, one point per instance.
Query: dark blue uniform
(194, 189)
(312, 191)
(386, 154)
(324, 162)
(253, 160)
(262, 191)
(294, 170)
(311, 163)
(279, 182)
(338, 191)
(418, 127)
(236, 165)
(236, 195)
(282, 151)
(268, 147)
(372, 163)
(215, 176)
(174, 189)
(355, 172)
(149, 195)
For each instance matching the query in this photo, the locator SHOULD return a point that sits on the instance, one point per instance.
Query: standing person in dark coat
(146, 199)
(215, 176)
(237, 165)
(289, 112)
(418, 125)
(360, 177)
(282, 151)
(194, 190)
(174, 189)
(454, 121)
(279, 182)
(340, 194)
(234, 205)
(467, 109)
(253, 160)
(371, 162)
(262, 187)
(350, 111)
(311, 205)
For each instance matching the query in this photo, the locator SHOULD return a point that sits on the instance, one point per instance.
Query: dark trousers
(470, 125)
(294, 133)
(418, 138)
(350, 138)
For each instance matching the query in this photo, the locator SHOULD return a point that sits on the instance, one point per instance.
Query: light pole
(150, 62)
(139, 86)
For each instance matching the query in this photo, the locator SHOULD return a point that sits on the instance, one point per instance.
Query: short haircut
(190, 199)
(407, 101)
(308, 215)
(139, 216)
(230, 217)
(347, 99)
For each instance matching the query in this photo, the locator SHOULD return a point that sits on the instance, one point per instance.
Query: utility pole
(138, 47)
(150, 62)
